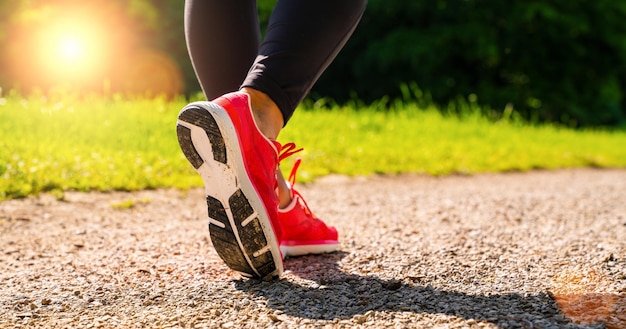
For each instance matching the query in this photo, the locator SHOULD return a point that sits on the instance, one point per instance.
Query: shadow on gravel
(339, 295)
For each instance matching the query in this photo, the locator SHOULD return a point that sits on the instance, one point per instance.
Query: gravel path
(544, 249)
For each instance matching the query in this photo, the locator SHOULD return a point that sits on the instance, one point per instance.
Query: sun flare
(92, 46)
(71, 48)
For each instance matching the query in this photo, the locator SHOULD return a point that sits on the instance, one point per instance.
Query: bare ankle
(266, 113)
(284, 190)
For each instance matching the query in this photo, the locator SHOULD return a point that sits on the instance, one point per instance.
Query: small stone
(360, 319)
(393, 285)
(610, 258)
(46, 301)
(274, 318)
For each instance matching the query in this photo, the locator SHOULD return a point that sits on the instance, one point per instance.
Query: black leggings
(302, 39)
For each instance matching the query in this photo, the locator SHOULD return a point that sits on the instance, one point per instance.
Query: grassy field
(62, 143)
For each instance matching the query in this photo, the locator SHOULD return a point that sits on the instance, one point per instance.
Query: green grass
(62, 143)
(411, 139)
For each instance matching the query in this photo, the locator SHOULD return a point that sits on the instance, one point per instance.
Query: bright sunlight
(71, 48)
(89, 46)
(64, 45)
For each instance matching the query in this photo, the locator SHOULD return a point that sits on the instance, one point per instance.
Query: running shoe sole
(239, 226)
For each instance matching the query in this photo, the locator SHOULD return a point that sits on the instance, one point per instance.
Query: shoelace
(286, 151)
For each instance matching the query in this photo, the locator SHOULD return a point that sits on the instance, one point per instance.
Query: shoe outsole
(239, 227)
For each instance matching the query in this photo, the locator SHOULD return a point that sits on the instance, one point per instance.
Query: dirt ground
(544, 249)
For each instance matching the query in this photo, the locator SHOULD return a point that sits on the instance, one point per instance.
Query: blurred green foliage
(553, 60)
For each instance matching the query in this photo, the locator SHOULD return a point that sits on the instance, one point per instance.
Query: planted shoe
(238, 166)
(302, 232)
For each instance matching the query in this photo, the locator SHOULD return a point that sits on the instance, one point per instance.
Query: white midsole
(308, 249)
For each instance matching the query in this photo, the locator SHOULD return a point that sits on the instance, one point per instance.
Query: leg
(302, 39)
(226, 140)
(219, 138)
(223, 39)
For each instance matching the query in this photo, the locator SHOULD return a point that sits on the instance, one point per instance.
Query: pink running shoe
(238, 166)
(302, 232)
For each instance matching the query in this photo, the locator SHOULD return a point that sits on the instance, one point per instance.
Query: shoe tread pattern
(198, 117)
(225, 239)
(251, 235)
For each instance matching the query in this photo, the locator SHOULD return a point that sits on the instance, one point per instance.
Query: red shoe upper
(301, 227)
(295, 225)
(260, 155)
(298, 223)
